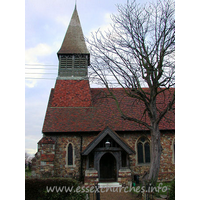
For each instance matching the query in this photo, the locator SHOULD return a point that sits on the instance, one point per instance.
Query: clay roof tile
(84, 109)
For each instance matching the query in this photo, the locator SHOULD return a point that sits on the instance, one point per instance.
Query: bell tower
(74, 57)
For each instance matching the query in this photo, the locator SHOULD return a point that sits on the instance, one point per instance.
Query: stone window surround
(136, 155)
(66, 158)
(173, 151)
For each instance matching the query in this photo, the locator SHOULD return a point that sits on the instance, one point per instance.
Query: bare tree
(138, 51)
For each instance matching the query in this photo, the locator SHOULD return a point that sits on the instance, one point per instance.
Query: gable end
(103, 134)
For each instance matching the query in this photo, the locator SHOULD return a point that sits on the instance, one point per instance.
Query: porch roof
(113, 135)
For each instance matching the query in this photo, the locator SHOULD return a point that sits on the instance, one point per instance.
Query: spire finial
(74, 42)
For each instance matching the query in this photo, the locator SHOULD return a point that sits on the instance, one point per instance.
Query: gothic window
(173, 149)
(140, 153)
(147, 152)
(70, 154)
(143, 150)
(174, 152)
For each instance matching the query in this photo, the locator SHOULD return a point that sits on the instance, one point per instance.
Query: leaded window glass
(140, 153)
(143, 150)
(147, 152)
(70, 154)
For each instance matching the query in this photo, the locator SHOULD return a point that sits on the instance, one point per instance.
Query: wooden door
(108, 168)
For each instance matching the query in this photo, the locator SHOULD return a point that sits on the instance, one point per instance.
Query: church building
(84, 136)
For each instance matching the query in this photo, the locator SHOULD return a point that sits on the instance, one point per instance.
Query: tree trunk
(156, 150)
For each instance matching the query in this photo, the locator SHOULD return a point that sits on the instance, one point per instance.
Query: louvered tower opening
(73, 65)
(74, 57)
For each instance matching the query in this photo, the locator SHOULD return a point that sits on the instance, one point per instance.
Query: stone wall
(167, 163)
(167, 166)
(131, 139)
(61, 167)
(51, 157)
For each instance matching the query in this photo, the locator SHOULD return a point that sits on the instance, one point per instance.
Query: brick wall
(124, 176)
(43, 163)
(167, 166)
(91, 177)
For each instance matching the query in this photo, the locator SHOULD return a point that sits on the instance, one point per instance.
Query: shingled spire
(74, 42)
(73, 55)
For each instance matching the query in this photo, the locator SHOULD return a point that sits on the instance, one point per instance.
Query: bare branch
(138, 51)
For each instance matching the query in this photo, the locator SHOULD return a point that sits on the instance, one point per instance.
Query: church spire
(74, 42)
(74, 57)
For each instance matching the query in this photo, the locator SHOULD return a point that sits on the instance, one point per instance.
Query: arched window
(173, 150)
(70, 154)
(143, 150)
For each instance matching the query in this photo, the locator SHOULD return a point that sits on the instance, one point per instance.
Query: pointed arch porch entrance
(108, 168)
(104, 162)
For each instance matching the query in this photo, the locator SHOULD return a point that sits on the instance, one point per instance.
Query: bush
(36, 189)
(172, 191)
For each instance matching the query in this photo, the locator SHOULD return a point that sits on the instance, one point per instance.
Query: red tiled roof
(75, 107)
(71, 93)
(46, 140)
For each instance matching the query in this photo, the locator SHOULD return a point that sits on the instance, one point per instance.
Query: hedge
(172, 190)
(36, 189)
